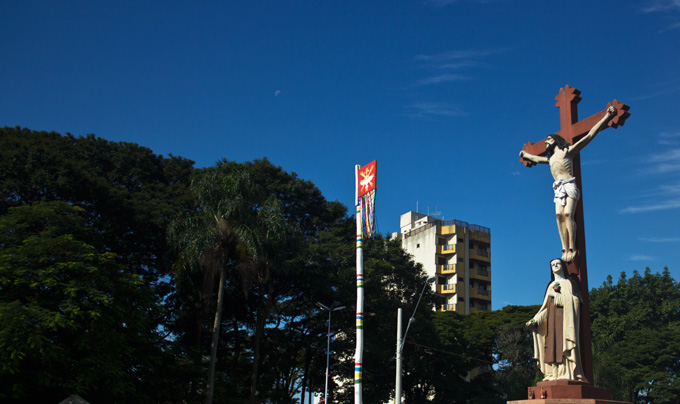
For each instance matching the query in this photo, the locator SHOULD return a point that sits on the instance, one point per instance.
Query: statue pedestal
(567, 392)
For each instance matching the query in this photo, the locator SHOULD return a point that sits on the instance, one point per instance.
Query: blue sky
(442, 93)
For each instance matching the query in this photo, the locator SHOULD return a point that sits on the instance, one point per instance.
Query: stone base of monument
(567, 392)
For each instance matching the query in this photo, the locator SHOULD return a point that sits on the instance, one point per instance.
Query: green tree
(218, 234)
(271, 272)
(391, 280)
(290, 274)
(128, 193)
(68, 321)
(636, 337)
(515, 368)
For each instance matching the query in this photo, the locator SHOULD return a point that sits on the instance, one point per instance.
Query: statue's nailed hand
(611, 111)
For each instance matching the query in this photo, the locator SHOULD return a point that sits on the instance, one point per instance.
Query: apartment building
(457, 253)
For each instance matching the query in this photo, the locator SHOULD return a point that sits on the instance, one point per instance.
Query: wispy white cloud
(640, 257)
(670, 10)
(662, 163)
(442, 78)
(669, 139)
(652, 207)
(670, 89)
(660, 239)
(445, 68)
(669, 155)
(460, 56)
(459, 65)
(661, 6)
(666, 195)
(662, 168)
(440, 3)
(435, 108)
(448, 67)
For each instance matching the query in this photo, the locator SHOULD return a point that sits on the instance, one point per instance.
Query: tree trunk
(237, 346)
(305, 373)
(259, 332)
(215, 338)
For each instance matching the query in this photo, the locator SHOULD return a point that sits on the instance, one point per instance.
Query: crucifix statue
(561, 152)
(560, 155)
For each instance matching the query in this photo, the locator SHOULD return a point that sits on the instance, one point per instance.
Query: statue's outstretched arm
(578, 146)
(531, 157)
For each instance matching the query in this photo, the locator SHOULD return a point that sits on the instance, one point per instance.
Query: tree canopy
(126, 276)
(636, 337)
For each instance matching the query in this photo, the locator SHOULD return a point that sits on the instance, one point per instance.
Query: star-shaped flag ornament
(367, 176)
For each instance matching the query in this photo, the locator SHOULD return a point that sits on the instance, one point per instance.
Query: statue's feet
(569, 255)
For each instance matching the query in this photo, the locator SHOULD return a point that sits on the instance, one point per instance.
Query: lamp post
(400, 340)
(334, 307)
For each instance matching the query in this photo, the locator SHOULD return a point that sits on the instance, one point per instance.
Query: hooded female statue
(556, 327)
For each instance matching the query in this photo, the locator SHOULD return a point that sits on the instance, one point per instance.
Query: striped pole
(359, 354)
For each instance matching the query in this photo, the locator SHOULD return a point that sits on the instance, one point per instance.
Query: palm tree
(219, 231)
(275, 238)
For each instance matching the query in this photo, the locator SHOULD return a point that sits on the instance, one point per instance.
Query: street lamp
(400, 340)
(334, 307)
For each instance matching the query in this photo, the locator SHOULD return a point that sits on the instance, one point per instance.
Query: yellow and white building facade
(457, 253)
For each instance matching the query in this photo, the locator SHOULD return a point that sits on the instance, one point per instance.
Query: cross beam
(571, 129)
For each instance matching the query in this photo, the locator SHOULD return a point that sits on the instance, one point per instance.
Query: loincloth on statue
(564, 189)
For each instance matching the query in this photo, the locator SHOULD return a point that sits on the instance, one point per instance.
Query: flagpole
(359, 354)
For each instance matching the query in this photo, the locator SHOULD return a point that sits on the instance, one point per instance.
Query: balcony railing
(466, 225)
(482, 252)
(483, 292)
(446, 269)
(447, 288)
(446, 248)
(482, 272)
(448, 307)
(418, 230)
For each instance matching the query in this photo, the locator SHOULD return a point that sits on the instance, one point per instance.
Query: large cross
(571, 129)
